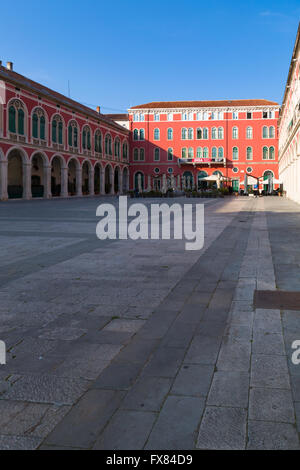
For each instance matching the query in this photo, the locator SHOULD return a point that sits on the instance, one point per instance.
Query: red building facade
(51, 145)
(193, 139)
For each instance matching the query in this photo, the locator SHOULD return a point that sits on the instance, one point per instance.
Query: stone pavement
(141, 344)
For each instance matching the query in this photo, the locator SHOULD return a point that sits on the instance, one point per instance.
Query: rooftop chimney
(9, 65)
(98, 109)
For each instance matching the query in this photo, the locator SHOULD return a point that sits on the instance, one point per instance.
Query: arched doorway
(15, 176)
(56, 176)
(72, 178)
(117, 179)
(188, 178)
(268, 176)
(85, 178)
(108, 185)
(202, 184)
(137, 179)
(97, 179)
(37, 175)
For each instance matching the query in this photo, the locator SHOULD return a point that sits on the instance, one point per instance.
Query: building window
(190, 134)
(86, 138)
(271, 132)
(220, 133)
(190, 116)
(213, 115)
(73, 134)
(235, 153)
(183, 133)
(220, 115)
(142, 134)
(156, 134)
(124, 150)
(265, 114)
(199, 152)
(265, 153)
(170, 170)
(205, 116)
(135, 117)
(199, 133)
(183, 152)
(57, 129)
(235, 169)
(184, 116)
(98, 142)
(220, 153)
(214, 153)
(249, 133)
(156, 117)
(142, 117)
(249, 115)
(205, 152)
(135, 155)
(235, 133)
(16, 118)
(135, 134)
(214, 133)
(249, 155)
(117, 148)
(190, 152)
(271, 153)
(156, 155)
(108, 146)
(38, 124)
(265, 132)
(170, 116)
(235, 115)
(205, 133)
(249, 169)
(199, 116)
(170, 154)
(170, 133)
(156, 170)
(142, 154)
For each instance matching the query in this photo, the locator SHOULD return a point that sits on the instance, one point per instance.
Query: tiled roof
(204, 104)
(118, 117)
(26, 83)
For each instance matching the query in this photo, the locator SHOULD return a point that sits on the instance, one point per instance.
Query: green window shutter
(35, 121)
(89, 140)
(60, 133)
(12, 119)
(84, 139)
(70, 136)
(21, 122)
(42, 128)
(75, 137)
(54, 134)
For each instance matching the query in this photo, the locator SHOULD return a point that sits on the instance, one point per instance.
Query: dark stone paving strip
(286, 260)
(154, 408)
(267, 299)
(17, 270)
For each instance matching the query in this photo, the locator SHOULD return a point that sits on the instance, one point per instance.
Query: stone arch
(18, 173)
(117, 179)
(139, 182)
(73, 176)
(39, 174)
(87, 177)
(108, 176)
(98, 172)
(125, 179)
(202, 184)
(58, 166)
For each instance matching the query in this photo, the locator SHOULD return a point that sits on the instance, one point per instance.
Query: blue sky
(121, 53)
